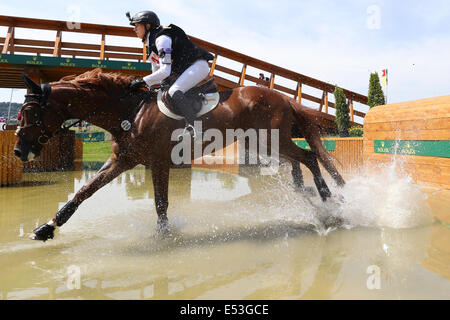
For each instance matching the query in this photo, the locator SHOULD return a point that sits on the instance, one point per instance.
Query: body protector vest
(184, 51)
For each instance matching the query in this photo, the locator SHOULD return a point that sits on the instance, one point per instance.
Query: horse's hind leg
(299, 183)
(297, 175)
(309, 159)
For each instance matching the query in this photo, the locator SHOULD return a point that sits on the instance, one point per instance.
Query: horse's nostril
(17, 153)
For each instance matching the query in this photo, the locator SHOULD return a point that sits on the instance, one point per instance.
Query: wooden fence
(10, 165)
(415, 132)
(59, 48)
(347, 151)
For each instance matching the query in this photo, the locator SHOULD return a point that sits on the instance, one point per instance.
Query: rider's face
(140, 30)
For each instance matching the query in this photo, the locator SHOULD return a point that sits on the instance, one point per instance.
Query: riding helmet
(144, 17)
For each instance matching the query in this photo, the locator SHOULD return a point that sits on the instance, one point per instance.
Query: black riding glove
(137, 84)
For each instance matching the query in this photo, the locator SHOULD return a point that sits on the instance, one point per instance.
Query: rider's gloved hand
(137, 84)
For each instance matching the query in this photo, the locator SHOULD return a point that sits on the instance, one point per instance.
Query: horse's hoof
(308, 191)
(43, 233)
(332, 222)
(163, 226)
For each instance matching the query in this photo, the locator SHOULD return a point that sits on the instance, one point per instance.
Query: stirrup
(188, 129)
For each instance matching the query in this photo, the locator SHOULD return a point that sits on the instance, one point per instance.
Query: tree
(342, 112)
(376, 94)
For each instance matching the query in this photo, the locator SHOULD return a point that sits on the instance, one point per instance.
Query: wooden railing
(102, 50)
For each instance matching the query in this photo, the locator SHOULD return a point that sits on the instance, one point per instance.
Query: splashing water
(386, 197)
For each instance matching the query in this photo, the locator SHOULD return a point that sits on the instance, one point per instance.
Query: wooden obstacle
(416, 133)
(78, 149)
(10, 165)
(225, 160)
(347, 151)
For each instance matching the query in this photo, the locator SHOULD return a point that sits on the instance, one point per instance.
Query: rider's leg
(188, 79)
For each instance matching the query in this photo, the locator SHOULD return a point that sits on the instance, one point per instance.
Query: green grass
(97, 151)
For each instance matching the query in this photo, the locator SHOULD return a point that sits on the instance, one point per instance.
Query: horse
(104, 99)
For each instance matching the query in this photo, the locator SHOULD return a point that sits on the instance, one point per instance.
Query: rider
(171, 53)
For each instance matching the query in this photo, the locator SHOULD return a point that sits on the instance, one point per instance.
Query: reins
(42, 101)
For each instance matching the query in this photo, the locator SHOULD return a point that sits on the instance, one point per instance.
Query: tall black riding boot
(185, 106)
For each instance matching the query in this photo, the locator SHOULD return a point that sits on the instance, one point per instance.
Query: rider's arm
(164, 47)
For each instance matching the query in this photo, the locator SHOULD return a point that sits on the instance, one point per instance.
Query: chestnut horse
(104, 100)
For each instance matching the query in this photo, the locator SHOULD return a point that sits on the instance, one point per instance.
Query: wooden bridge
(50, 60)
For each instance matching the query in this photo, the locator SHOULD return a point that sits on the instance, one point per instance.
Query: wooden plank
(8, 40)
(272, 81)
(438, 108)
(299, 92)
(102, 47)
(435, 161)
(352, 113)
(242, 77)
(213, 65)
(144, 53)
(57, 48)
(227, 70)
(408, 125)
(438, 134)
(326, 101)
(322, 101)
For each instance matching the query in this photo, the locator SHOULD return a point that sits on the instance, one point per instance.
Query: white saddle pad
(211, 101)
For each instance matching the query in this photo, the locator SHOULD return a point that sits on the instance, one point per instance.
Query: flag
(384, 77)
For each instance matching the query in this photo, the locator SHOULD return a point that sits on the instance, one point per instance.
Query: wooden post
(242, 79)
(350, 105)
(102, 48)
(213, 65)
(57, 48)
(326, 101)
(322, 101)
(272, 81)
(144, 53)
(9, 41)
(298, 94)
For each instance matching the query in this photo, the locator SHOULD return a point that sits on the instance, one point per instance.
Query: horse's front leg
(160, 175)
(110, 170)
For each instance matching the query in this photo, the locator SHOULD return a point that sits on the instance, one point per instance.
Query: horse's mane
(96, 79)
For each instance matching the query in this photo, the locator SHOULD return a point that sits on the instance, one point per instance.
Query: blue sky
(340, 42)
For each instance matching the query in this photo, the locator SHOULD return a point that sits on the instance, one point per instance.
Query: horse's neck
(99, 111)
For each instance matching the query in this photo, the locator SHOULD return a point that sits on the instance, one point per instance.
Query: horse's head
(37, 121)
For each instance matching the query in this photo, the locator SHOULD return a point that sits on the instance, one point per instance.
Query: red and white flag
(384, 77)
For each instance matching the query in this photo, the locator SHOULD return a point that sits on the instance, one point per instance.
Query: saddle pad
(211, 101)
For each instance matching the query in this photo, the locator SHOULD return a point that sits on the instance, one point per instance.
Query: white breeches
(190, 77)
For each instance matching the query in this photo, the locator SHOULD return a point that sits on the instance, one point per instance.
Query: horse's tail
(306, 121)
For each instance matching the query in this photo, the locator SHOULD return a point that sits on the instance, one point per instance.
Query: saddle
(205, 98)
(199, 96)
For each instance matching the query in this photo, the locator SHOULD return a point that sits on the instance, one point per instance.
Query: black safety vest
(184, 51)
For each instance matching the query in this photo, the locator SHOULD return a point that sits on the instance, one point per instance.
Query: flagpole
(387, 85)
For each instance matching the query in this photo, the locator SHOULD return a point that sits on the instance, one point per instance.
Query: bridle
(41, 101)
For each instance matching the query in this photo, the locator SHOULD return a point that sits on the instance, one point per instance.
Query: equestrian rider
(172, 55)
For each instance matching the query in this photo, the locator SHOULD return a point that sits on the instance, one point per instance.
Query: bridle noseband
(41, 101)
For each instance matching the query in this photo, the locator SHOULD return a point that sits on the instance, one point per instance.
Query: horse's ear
(34, 87)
